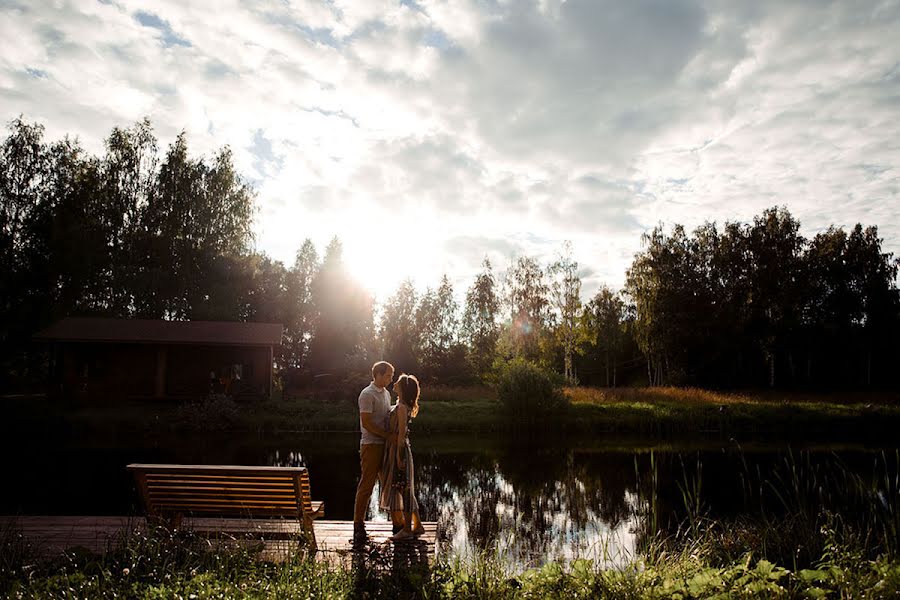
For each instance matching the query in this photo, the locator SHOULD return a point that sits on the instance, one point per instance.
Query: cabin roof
(152, 331)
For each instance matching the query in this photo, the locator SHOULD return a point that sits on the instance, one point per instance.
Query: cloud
(501, 127)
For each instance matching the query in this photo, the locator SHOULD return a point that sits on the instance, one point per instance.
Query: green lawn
(638, 411)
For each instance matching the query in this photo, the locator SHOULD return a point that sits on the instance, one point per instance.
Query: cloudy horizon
(440, 132)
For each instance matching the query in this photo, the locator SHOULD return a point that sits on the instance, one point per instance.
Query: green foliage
(441, 355)
(528, 302)
(479, 325)
(299, 312)
(529, 392)
(565, 290)
(216, 412)
(758, 304)
(162, 565)
(603, 328)
(343, 321)
(398, 329)
(124, 234)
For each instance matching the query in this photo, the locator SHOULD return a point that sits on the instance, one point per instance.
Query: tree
(437, 326)
(128, 173)
(566, 294)
(343, 326)
(398, 328)
(663, 284)
(603, 322)
(299, 314)
(875, 276)
(776, 281)
(728, 288)
(527, 300)
(196, 215)
(23, 170)
(479, 325)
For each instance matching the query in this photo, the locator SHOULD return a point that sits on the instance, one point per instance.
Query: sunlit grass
(639, 411)
(689, 396)
(648, 397)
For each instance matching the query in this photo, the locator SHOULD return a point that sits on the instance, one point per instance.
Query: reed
(798, 514)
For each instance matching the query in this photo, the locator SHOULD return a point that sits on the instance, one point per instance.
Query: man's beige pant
(370, 457)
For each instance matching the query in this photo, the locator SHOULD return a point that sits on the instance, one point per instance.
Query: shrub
(216, 412)
(527, 391)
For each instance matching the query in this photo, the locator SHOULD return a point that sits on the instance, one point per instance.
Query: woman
(398, 487)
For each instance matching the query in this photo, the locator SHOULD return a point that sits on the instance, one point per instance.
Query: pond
(529, 500)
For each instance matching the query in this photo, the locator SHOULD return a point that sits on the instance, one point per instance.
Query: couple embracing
(385, 454)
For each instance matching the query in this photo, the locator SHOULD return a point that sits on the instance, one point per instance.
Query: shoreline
(665, 413)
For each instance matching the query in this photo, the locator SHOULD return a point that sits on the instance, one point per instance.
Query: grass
(667, 412)
(162, 565)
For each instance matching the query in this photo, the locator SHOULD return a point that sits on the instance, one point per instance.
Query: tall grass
(798, 514)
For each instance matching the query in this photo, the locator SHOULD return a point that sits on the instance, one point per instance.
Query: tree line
(144, 234)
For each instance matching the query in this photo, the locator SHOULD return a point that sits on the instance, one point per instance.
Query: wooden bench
(172, 492)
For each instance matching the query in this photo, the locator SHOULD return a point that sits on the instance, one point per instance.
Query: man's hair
(380, 368)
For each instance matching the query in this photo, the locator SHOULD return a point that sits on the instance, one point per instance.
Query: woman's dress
(395, 495)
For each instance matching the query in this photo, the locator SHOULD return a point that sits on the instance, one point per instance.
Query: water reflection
(288, 459)
(531, 501)
(558, 504)
(552, 507)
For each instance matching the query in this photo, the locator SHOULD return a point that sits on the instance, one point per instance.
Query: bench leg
(310, 532)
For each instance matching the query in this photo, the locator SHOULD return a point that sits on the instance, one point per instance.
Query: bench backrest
(173, 490)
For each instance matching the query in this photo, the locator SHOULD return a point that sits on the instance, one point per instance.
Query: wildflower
(126, 571)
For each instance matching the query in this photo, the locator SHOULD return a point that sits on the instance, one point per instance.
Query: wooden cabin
(140, 358)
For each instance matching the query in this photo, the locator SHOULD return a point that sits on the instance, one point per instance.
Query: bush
(527, 391)
(216, 412)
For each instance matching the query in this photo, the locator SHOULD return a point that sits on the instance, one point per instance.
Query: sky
(428, 135)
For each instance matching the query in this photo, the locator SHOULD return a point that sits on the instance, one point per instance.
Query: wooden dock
(276, 539)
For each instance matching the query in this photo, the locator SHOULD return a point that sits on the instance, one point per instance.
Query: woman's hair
(408, 387)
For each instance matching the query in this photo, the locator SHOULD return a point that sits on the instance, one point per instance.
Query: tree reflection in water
(533, 505)
(528, 503)
(539, 500)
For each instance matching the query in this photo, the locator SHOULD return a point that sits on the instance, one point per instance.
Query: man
(374, 415)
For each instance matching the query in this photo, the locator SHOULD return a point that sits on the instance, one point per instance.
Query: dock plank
(280, 538)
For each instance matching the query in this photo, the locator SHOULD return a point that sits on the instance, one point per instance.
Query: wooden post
(161, 357)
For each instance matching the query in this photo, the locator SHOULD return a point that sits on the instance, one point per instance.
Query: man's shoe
(418, 530)
(359, 534)
(395, 529)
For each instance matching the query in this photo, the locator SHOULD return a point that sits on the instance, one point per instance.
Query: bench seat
(182, 495)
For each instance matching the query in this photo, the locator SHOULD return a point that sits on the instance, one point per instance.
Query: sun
(381, 257)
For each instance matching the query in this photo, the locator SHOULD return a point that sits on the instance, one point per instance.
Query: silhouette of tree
(480, 328)
(440, 353)
(399, 331)
(343, 327)
(603, 323)
(528, 305)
